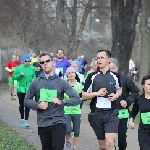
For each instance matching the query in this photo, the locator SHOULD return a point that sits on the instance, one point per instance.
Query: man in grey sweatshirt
(50, 110)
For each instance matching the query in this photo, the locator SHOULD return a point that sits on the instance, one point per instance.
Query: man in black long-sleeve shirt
(129, 93)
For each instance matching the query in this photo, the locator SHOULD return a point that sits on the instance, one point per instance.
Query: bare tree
(124, 19)
(77, 14)
(145, 39)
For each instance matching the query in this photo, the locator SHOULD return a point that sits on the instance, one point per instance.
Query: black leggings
(21, 97)
(144, 139)
(122, 133)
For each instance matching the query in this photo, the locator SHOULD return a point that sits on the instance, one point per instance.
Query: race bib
(123, 113)
(61, 70)
(47, 95)
(145, 117)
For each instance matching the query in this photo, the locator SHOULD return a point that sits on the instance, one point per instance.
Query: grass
(10, 140)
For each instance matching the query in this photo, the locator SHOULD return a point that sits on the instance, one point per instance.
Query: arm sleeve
(16, 74)
(7, 69)
(135, 108)
(28, 101)
(133, 89)
(74, 97)
(88, 84)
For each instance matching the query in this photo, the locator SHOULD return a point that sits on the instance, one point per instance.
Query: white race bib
(103, 102)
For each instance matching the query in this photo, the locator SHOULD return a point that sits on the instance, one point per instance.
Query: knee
(102, 145)
(68, 130)
(110, 144)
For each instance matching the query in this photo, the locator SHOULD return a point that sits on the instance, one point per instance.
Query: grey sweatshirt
(54, 114)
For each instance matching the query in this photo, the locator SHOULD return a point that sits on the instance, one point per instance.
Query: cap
(115, 61)
(82, 56)
(70, 69)
(26, 57)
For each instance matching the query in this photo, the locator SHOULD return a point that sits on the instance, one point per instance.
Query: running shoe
(22, 122)
(74, 149)
(15, 97)
(68, 145)
(26, 123)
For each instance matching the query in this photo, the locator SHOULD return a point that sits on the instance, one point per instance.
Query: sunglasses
(27, 61)
(47, 61)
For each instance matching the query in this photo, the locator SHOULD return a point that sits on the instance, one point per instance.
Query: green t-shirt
(73, 109)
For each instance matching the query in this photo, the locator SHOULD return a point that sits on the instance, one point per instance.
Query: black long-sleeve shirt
(141, 105)
(129, 90)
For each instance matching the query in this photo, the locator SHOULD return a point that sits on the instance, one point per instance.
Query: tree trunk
(72, 35)
(145, 39)
(124, 19)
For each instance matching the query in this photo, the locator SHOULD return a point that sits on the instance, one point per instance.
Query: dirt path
(9, 114)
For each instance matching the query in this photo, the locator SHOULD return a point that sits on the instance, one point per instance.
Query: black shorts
(104, 121)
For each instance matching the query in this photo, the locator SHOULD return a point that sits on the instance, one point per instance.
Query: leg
(21, 104)
(111, 128)
(110, 138)
(99, 130)
(68, 127)
(27, 110)
(122, 133)
(58, 136)
(102, 144)
(45, 137)
(10, 82)
(76, 119)
(144, 140)
(15, 89)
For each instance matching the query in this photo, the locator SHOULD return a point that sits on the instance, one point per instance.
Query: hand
(43, 105)
(102, 92)
(56, 101)
(131, 124)
(22, 73)
(112, 96)
(11, 70)
(123, 103)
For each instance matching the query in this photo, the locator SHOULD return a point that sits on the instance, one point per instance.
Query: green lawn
(10, 140)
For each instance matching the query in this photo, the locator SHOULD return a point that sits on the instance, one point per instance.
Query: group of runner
(56, 89)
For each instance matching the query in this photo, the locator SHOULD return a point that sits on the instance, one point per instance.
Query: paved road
(9, 114)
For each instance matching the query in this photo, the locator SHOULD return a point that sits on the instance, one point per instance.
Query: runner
(10, 67)
(142, 105)
(24, 74)
(129, 93)
(33, 58)
(72, 113)
(37, 67)
(94, 68)
(61, 63)
(103, 87)
(48, 90)
(75, 65)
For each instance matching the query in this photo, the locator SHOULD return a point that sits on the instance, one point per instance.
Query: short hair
(13, 56)
(45, 54)
(108, 53)
(75, 63)
(147, 77)
(115, 61)
(61, 50)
